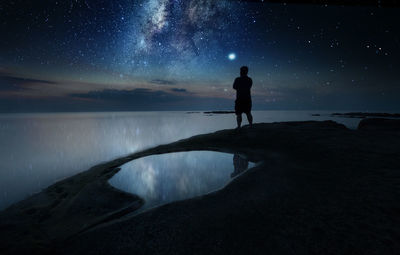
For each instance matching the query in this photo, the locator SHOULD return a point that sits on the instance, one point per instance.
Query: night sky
(77, 55)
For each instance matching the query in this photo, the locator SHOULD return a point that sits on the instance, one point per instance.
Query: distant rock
(380, 124)
(316, 114)
(219, 112)
(366, 114)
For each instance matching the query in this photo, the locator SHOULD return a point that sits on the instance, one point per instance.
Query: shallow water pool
(161, 179)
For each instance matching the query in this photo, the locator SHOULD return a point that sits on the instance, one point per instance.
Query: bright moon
(232, 56)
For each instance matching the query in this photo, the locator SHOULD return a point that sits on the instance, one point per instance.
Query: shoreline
(80, 205)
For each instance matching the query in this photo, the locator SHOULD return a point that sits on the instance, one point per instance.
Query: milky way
(177, 36)
(299, 56)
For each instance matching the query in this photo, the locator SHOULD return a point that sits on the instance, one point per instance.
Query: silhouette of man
(242, 85)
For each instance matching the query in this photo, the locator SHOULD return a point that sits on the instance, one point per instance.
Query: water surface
(36, 150)
(160, 179)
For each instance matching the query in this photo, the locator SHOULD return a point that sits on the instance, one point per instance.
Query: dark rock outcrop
(379, 124)
(319, 188)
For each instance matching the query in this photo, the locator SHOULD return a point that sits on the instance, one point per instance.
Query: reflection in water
(161, 179)
(36, 150)
(240, 164)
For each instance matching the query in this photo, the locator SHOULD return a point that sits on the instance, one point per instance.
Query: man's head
(244, 70)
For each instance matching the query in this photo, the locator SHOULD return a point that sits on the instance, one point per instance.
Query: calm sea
(36, 150)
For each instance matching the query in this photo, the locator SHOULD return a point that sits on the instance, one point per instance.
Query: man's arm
(235, 84)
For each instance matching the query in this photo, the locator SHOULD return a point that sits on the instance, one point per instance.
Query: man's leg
(249, 118)
(239, 120)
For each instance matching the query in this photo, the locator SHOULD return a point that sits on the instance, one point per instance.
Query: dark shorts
(242, 107)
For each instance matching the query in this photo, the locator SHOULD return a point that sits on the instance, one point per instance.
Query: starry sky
(86, 55)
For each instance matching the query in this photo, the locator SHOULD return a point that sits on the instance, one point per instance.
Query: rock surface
(379, 124)
(319, 188)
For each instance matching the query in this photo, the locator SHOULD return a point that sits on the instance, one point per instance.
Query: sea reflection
(161, 179)
(36, 150)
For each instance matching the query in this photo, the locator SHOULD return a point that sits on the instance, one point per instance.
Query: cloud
(137, 99)
(142, 99)
(134, 96)
(162, 82)
(326, 98)
(179, 90)
(13, 83)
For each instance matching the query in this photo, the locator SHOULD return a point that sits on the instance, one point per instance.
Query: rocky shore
(367, 115)
(319, 188)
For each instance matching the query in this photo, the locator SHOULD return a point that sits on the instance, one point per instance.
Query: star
(232, 56)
